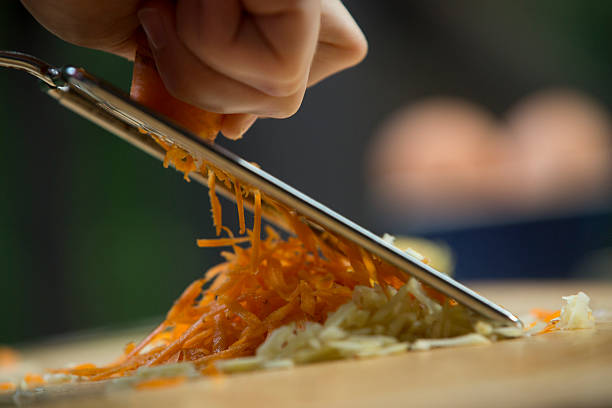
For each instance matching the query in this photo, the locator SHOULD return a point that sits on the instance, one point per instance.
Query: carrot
(199, 339)
(135, 350)
(182, 161)
(33, 379)
(256, 231)
(239, 205)
(8, 356)
(219, 242)
(148, 89)
(545, 315)
(550, 327)
(260, 287)
(7, 386)
(160, 383)
(215, 206)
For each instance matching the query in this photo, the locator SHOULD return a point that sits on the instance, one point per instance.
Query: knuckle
(191, 38)
(196, 43)
(286, 80)
(281, 89)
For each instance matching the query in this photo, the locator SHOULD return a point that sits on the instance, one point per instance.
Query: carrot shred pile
(259, 288)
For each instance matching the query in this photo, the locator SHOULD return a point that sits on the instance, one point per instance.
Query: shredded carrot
(550, 327)
(182, 161)
(7, 386)
(530, 326)
(547, 316)
(8, 356)
(259, 288)
(239, 206)
(256, 230)
(219, 242)
(159, 383)
(33, 379)
(160, 142)
(215, 206)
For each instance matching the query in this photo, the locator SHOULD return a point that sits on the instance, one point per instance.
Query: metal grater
(113, 110)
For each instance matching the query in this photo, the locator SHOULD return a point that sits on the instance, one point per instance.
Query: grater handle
(32, 65)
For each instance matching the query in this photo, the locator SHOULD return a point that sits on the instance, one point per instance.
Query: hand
(246, 58)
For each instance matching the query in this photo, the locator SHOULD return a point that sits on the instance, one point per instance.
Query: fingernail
(245, 126)
(153, 26)
(232, 134)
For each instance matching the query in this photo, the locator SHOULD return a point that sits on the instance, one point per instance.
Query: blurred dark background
(95, 233)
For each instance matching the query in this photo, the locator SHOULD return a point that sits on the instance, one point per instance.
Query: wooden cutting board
(572, 368)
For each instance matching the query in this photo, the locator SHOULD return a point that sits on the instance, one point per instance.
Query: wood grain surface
(568, 369)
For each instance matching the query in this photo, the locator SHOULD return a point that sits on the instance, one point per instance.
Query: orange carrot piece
(7, 386)
(550, 327)
(186, 299)
(84, 366)
(156, 383)
(148, 89)
(256, 231)
(144, 342)
(221, 242)
(215, 206)
(239, 205)
(176, 345)
(33, 379)
(239, 310)
(198, 338)
(8, 356)
(545, 315)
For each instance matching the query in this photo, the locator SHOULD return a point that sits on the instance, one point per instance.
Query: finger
(268, 45)
(192, 81)
(341, 42)
(105, 25)
(234, 125)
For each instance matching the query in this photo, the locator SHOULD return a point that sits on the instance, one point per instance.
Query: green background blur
(94, 233)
